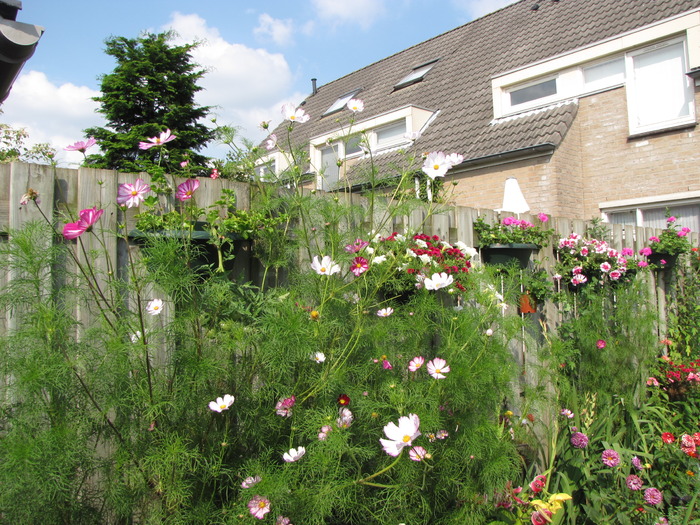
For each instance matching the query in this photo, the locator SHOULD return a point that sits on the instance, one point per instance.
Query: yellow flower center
(223, 406)
(407, 439)
(436, 167)
(262, 505)
(292, 117)
(323, 269)
(438, 371)
(134, 193)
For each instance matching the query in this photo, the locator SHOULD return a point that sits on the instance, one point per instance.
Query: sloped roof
(460, 83)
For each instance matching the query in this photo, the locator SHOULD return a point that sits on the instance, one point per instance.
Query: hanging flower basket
(663, 260)
(508, 254)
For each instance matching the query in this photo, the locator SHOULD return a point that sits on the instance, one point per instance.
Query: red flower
(667, 437)
(343, 400)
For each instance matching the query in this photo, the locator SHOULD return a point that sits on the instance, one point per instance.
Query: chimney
(314, 89)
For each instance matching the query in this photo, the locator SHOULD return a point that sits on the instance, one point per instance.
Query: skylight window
(340, 103)
(416, 75)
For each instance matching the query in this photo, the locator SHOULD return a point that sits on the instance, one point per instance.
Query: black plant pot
(517, 254)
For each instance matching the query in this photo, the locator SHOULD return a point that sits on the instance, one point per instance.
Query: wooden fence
(63, 192)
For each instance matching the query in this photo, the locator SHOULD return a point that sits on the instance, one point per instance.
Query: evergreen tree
(151, 89)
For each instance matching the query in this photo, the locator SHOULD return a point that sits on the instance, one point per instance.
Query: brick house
(591, 105)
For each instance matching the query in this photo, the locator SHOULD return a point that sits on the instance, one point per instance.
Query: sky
(258, 55)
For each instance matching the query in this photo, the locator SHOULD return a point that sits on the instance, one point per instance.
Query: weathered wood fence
(63, 192)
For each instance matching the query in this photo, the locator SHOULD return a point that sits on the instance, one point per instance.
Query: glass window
(533, 92)
(391, 134)
(606, 74)
(352, 146)
(330, 172)
(688, 215)
(659, 92)
(416, 75)
(340, 103)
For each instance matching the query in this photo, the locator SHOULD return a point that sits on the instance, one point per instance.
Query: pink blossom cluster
(586, 258)
(517, 223)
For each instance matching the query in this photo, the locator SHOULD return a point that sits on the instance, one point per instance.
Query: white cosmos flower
(355, 105)
(291, 113)
(155, 307)
(436, 165)
(379, 259)
(401, 435)
(437, 368)
(222, 403)
(325, 267)
(319, 357)
(437, 281)
(294, 454)
(385, 312)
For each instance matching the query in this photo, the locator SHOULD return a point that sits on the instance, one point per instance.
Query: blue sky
(259, 55)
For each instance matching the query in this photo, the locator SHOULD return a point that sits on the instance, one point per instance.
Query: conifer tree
(151, 89)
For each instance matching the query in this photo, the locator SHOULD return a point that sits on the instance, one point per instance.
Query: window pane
(415, 75)
(530, 93)
(329, 167)
(340, 103)
(604, 75)
(352, 146)
(623, 217)
(687, 215)
(392, 133)
(662, 91)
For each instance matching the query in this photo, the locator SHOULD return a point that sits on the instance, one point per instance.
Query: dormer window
(416, 75)
(533, 92)
(340, 103)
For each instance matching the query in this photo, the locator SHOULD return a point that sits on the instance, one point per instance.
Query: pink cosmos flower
(271, 142)
(645, 251)
(132, 195)
(294, 454)
(566, 413)
(88, 218)
(259, 506)
(442, 434)
(355, 105)
(359, 245)
(600, 344)
(416, 363)
(214, 174)
(634, 482)
(81, 146)
(281, 520)
(186, 189)
(417, 453)
(400, 436)
(385, 312)
(359, 266)
(344, 420)
(292, 114)
(437, 368)
(386, 364)
(250, 481)
(165, 137)
(221, 403)
(284, 406)
(610, 458)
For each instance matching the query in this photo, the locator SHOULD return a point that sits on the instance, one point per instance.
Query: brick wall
(596, 162)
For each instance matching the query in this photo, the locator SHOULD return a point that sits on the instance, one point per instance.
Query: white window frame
(632, 106)
(542, 101)
(416, 75)
(638, 206)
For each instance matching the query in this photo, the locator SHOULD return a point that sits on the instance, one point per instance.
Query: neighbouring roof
(469, 56)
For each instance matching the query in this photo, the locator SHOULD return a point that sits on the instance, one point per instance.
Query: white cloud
(240, 81)
(51, 113)
(361, 12)
(280, 31)
(479, 8)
